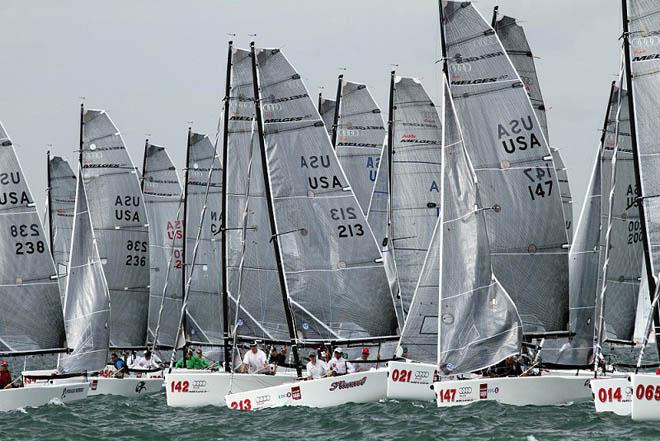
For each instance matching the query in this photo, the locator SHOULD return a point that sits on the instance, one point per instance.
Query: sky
(158, 66)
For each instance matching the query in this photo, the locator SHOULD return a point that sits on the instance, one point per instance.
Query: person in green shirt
(189, 361)
(198, 360)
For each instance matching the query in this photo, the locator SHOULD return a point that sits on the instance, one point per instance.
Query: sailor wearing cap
(337, 364)
(315, 368)
(361, 365)
(254, 360)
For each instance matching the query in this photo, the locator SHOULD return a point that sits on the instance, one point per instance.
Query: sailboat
(163, 201)
(32, 319)
(61, 202)
(641, 25)
(88, 291)
(333, 282)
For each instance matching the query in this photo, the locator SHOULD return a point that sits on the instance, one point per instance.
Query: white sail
(31, 316)
(61, 204)
(336, 281)
(120, 227)
(87, 299)
(479, 324)
(163, 201)
(514, 165)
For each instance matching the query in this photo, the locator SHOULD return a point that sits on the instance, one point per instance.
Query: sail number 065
(29, 246)
(648, 393)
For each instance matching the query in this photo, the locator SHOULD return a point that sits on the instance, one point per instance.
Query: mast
(320, 101)
(144, 164)
(223, 228)
(638, 181)
(82, 124)
(494, 21)
(335, 122)
(50, 206)
(185, 240)
(443, 44)
(390, 152)
(271, 214)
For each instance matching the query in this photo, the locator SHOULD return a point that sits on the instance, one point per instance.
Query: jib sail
(31, 316)
(479, 324)
(336, 282)
(61, 204)
(163, 202)
(87, 300)
(120, 226)
(513, 163)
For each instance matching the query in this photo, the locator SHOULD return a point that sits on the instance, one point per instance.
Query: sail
(163, 202)
(87, 300)
(335, 277)
(120, 227)
(479, 323)
(327, 111)
(360, 138)
(415, 180)
(514, 166)
(251, 265)
(31, 316)
(644, 26)
(203, 320)
(513, 38)
(61, 204)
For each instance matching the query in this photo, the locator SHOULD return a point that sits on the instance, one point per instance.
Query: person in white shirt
(361, 365)
(254, 360)
(337, 364)
(315, 368)
(148, 361)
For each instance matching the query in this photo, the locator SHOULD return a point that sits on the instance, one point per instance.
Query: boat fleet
(440, 241)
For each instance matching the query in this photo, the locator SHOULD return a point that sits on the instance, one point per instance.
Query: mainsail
(61, 204)
(336, 282)
(327, 111)
(252, 273)
(163, 202)
(87, 300)
(120, 226)
(414, 178)
(518, 179)
(358, 133)
(203, 318)
(479, 323)
(31, 316)
(513, 38)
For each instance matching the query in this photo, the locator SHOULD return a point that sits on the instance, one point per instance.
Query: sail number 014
(609, 394)
(27, 246)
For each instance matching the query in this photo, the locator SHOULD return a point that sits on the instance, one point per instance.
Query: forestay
(513, 38)
(335, 277)
(87, 300)
(360, 138)
(163, 202)
(31, 316)
(479, 323)
(61, 204)
(526, 227)
(415, 180)
(203, 320)
(251, 266)
(644, 27)
(120, 226)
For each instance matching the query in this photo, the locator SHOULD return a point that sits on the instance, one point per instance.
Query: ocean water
(149, 418)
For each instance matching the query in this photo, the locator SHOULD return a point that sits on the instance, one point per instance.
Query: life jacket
(5, 379)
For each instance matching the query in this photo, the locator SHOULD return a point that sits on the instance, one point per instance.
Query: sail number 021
(28, 246)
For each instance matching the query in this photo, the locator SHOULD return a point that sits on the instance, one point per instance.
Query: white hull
(545, 390)
(39, 395)
(191, 388)
(612, 394)
(359, 387)
(133, 386)
(645, 397)
(410, 381)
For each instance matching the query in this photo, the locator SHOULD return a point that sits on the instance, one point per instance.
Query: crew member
(121, 370)
(337, 364)
(187, 359)
(279, 358)
(147, 361)
(198, 360)
(315, 368)
(254, 360)
(361, 365)
(5, 376)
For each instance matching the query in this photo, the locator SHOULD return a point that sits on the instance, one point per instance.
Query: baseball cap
(365, 351)
(339, 350)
